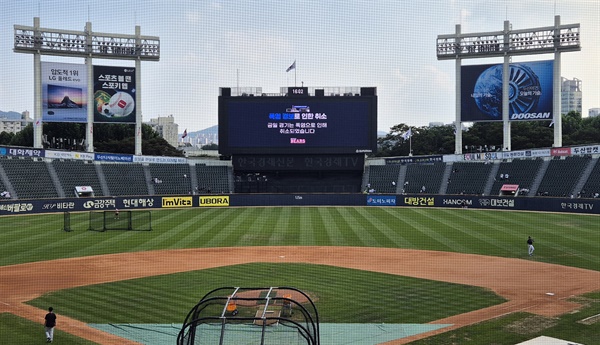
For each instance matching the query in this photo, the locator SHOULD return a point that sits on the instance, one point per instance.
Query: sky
(208, 44)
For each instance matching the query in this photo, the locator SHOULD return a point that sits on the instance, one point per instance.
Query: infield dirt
(525, 284)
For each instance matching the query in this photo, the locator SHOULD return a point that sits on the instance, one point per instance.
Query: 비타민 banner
(114, 94)
(529, 89)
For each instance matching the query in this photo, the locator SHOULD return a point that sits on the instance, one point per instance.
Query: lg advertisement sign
(529, 91)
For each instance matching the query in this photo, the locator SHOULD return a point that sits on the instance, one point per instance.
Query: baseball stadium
(298, 232)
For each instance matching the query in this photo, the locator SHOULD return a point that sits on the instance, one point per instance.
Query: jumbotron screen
(302, 125)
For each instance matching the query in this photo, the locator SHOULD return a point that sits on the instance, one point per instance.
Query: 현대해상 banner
(530, 91)
(114, 94)
(64, 92)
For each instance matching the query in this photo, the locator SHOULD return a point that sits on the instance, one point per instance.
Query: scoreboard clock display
(297, 91)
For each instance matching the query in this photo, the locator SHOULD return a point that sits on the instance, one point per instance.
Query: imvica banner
(176, 201)
(114, 94)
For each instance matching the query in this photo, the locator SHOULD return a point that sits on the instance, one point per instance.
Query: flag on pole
(406, 135)
(184, 134)
(292, 66)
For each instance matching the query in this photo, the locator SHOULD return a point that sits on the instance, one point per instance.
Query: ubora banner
(214, 201)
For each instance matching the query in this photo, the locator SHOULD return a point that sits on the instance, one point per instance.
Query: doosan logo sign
(531, 116)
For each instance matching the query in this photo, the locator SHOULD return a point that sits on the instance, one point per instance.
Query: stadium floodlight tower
(507, 43)
(84, 44)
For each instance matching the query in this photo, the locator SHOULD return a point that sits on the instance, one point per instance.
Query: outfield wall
(542, 204)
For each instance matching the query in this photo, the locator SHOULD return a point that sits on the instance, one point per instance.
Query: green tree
(211, 146)
(24, 137)
(6, 137)
(108, 137)
(488, 136)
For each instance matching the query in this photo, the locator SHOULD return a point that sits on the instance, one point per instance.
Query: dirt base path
(527, 285)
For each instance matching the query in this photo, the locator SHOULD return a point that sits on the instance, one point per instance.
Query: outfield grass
(566, 239)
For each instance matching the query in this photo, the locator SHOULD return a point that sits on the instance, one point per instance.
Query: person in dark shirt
(530, 247)
(50, 323)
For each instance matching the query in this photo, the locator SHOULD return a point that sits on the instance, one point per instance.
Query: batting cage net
(120, 220)
(265, 316)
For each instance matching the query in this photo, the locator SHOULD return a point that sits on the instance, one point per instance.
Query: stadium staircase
(429, 175)
(5, 184)
(535, 186)
(521, 172)
(22, 171)
(585, 175)
(446, 178)
(382, 176)
(214, 178)
(490, 182)
(366, 177)
(175, 179)
(194, 178)
(562, 176)
(125, 179)
(102, 179)
(55, 180)
(149, 184)
(592, 184)
(469, 178)
(71, 173)
(401, 178)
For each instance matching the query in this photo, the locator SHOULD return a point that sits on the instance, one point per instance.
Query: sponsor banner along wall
(547, 204)
(21, 152)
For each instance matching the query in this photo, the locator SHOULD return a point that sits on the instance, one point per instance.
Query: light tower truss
(28, 39)
(562, 38)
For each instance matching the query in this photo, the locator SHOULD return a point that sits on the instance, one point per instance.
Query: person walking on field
(50, 323)
(530, 247)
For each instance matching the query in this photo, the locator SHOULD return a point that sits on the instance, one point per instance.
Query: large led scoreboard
(298, 123)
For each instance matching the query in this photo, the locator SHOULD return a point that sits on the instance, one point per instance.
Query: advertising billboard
(114, 94)
(294, 125)
(64, 92)
(530, 91)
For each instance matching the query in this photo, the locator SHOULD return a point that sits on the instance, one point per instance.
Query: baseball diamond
(21, 282)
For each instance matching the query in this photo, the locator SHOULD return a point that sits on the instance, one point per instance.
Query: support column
(89, 128)
(138, 97)
(505, 92)
(37, 89)
(556, 87)
(457, 121)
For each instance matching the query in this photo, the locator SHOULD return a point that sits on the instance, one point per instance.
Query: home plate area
(331, 333)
